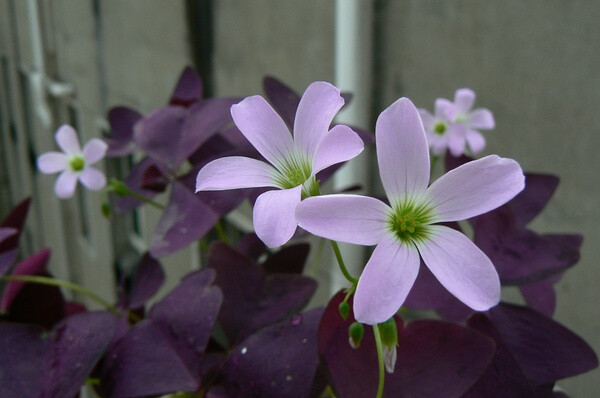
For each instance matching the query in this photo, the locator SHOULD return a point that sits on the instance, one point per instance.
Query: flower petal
(464, 98)
(339, 145)
(385, 281)
(316, 110)
(264, 128)
(482, 119)
(475, 188)
(444, 109)
(347, 218)
(94, 150)
(475, 140)
(67, 139)
(93, 179)
(274, 215)
(234, 172)
(427, 119)
(461, 267)
(402, 151)
(65, 184)
(52, 162)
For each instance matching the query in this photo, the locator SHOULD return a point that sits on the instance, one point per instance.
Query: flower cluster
(453, 125)
(239, 327)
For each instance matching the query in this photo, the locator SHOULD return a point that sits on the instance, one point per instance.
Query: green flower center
(439, 128)
(296, 171)
(77, 163)
(409, 221)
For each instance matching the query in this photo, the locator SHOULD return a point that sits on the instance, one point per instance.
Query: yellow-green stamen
(77, 163)
(409, 221)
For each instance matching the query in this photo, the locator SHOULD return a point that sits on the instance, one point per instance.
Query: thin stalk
(221, 232)
(379, 360)
(144, 199)
(340, 261)
(44, 280)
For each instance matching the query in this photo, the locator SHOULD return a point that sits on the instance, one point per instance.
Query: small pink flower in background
(405, 230)
(454, 125)
(74, 163)
(294, 160)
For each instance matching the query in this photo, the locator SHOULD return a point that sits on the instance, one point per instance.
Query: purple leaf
(135, 182)
(251, 299)
(541, 296)
(25, 345)
(9, 245)
(435, 358)
(154, 180)
(145, 362)
(545, 350)
(33, 303)
(78, 342)
(121, 120)
(539, 188)
(188, 89)
(289, 260)
(205, 119)
(148, 278)
(159, 135)
(251, 246)
(185, 220)
(7, 233)
(504, 377)
(285, 100)
(189, 311)
(278, 361)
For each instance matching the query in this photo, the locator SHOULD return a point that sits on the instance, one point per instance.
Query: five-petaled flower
(407, 227)
(73, 162)
(454, 124)
(294, 161)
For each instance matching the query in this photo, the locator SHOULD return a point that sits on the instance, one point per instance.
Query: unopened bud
(356, 331)
(344, 309)
(389, 339)
(106, 209)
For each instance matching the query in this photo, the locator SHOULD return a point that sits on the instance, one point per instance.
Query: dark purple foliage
(288, 260)
(278, 361)
(164, 353)
(9, 244)
(188, 89)
(122, 120)
(435, 358)
(252, 299)
(54, 364)
(148, 278)
(33, 303)
(137, 181)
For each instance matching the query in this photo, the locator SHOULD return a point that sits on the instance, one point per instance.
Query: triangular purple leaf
(78, 342)
(545, 350)
(188, 89)
(289, 260)
(121, 120)
(22, 349)
(278, 361)
(185, 220)
(148, 278)
(285, 100)
(435, 358)
(9, 245)
(135, 182)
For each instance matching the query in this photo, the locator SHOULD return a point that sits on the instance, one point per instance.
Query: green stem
(44, 280)
(340, 261)
(144, 199)
(379, 360)
(221, 232)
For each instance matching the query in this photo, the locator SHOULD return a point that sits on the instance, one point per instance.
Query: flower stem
(44, 280)
(221, 232)
(121, 189)
(379, 360)
(340, 261)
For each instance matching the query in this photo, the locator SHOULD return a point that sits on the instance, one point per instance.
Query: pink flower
(407, 229)
(73, 163)
(294, 161)
(454, 124)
